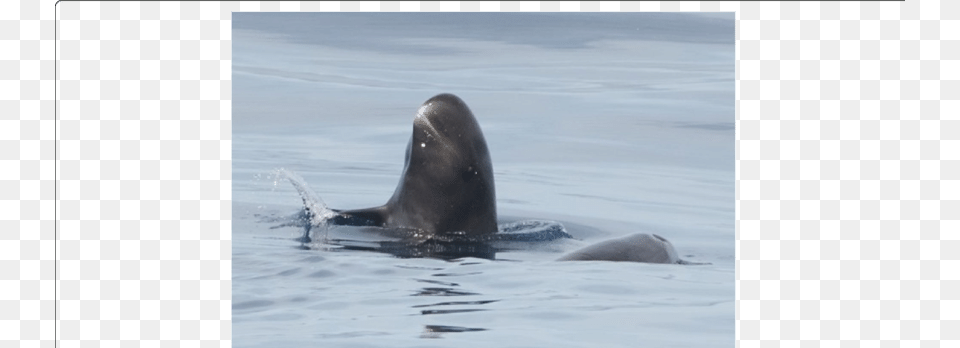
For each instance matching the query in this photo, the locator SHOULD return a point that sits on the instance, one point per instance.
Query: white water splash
(315, 208)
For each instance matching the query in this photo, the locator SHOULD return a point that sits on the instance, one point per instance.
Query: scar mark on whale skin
(431, 130)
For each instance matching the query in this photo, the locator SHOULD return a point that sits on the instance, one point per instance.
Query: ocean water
(610, 124)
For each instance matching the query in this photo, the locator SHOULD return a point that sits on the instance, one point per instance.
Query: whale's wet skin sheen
(611, 134)
(447, 180)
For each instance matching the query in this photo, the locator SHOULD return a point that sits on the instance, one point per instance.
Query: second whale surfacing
(638, 247)
(447, 189)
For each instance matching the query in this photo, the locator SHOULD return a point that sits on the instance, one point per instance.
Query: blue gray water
(609, 123)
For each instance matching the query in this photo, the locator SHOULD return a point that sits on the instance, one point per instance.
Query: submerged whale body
(447, 191)
(638, 247)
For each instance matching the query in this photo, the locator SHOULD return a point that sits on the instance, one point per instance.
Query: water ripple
(443, 292)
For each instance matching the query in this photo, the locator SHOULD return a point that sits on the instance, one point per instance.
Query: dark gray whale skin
(447, 181)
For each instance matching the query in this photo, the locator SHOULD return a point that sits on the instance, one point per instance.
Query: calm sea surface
(611, 124)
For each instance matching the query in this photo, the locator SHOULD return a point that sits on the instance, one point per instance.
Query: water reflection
(450, 311)
(437, 282)
(436, 331)
(454, 274)
(407, 243)
(428, 249)
(457, 303)
(443, 292)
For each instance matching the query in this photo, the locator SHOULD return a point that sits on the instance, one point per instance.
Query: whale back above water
(447, 181)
